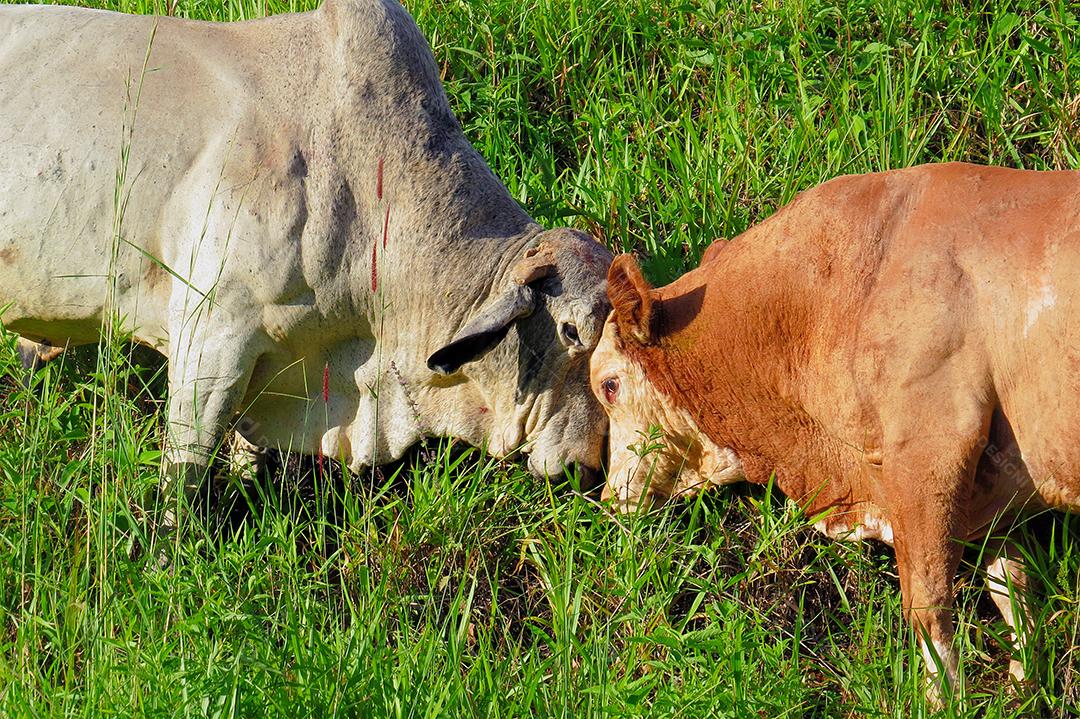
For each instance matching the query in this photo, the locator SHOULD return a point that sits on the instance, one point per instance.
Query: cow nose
(624, 500)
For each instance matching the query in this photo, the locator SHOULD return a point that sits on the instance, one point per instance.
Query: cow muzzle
(588, 477)
(625, 499)
(627, 487)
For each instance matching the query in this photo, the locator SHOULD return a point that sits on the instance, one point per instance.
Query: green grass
(453, 585)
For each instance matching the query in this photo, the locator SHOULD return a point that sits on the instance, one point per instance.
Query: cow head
(657, 450)
(530, 343)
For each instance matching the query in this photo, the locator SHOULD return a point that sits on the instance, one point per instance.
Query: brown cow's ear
(631, 299)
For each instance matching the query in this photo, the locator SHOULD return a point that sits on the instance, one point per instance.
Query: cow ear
(631, 299)
(485, 330)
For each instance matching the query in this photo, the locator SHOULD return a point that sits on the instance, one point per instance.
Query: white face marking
(677, 461)
(1044, 300)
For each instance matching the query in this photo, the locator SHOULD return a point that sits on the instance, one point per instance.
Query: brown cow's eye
(611, 389)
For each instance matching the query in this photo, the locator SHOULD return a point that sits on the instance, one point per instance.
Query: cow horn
(538, 263)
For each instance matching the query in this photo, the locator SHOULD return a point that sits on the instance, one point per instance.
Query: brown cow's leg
(927, 559)
(929, 471)
(1008, 584)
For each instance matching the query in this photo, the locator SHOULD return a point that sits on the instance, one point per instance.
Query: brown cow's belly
(1009, 483)
(1056, 484)
(1032, 459)
(1033, 448)
(1053, 463)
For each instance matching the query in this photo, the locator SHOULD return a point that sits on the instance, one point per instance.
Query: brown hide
(901, 348)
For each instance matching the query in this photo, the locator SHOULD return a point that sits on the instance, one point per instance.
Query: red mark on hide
(378, 180)
(386, 225)
(374, 266)
(483, 410)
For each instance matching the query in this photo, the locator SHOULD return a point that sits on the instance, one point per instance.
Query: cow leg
(929, 472)
(207, 381)
(927, 559)
(1008, 583)
(246, 459)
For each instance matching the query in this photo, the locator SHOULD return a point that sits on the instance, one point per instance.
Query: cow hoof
(246, 460)
(1016, 672)
(938, 695)
(162, 548)
(1021, 686)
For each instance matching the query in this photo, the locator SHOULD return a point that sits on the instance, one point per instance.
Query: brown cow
(902, 349)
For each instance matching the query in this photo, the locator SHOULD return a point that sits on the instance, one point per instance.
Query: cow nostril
(589, 478)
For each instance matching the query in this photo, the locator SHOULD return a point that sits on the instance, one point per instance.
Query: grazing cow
(902, 349)
(288, 210)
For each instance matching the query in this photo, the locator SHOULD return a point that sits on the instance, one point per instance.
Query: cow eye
(611, 389)
(570, 334)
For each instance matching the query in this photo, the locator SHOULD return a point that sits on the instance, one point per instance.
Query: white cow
(281, 204)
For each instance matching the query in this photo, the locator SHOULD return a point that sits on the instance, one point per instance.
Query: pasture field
(454, 585)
